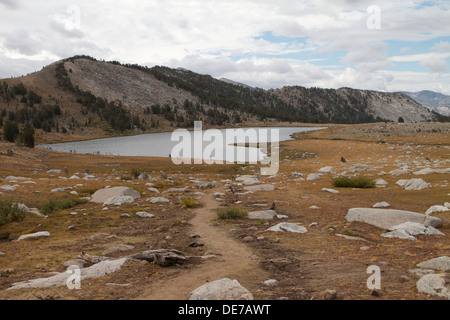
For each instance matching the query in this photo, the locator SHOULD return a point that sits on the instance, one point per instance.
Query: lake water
(161, 144)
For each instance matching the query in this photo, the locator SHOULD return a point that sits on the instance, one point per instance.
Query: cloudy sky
(379, 45)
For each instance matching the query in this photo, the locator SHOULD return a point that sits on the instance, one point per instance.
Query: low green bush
(10, 213)
(354, 182)
(57, 205)
(231, 213)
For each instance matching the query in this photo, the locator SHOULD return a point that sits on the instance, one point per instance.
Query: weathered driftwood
(163, 258)
(91, 259)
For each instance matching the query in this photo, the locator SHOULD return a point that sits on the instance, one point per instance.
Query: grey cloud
(435, 65)
(22, 41)
(11, 4)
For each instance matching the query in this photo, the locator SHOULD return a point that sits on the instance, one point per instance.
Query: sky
(375, 45)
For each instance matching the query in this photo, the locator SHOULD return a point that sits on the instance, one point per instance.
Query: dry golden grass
(316, 261)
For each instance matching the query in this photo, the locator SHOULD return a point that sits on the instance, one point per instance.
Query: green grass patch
(231, 213)
(57, 205)
(126, 178)
(355, 182)
(10, 213)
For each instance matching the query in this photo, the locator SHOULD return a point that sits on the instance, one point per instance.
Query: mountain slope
(435, 101)
(84, 96)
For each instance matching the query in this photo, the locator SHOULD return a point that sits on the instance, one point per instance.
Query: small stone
(71, 228)
(145, 215)
(404, 279)
(271, 283)
(330, 294)
(196, 245)
(125, 215)
(2, 254)
(375, 293)
(364, 248)
(248, 239)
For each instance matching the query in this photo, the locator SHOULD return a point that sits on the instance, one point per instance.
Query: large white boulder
(434, 209)
(224, 289)
(288, 227)
(43, 234)
(262, 215)
(413, 184)
(435, 285)
(104, 194)
(388, 218)
(261, 187)
(118, 201)
(437, 264)
(96, 271)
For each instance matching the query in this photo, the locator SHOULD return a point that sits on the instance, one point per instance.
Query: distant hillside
(435, 101)
(236, 83)
(86, 97)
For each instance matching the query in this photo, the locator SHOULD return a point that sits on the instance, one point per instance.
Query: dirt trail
(234, 257)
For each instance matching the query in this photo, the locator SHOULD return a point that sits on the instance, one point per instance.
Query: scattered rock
(383, 204)
(206, 184)
(350, 237)
(330, 294)
(77, 262)
(408, 230)
(288, 227)
(380, 182)
(125, 215)
(421, 272)
(262, 187)
(225, 289)
(271, 283)
(144, 176)
(119, 248)
(156, 200)
(96, 271)
(413, 184)
(248, 239)
(437, 264)
(118, 201)
(327, 170)
(55, 171)
(262, 215)
(196, 244)
(330, 190)
(43, 234)
(388, 218)
(154, 190)
(145, 215)
(7, 188)
(101, 196)
(435, 285)
(435, 209)
(313, 177)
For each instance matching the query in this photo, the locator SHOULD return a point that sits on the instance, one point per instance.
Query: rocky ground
(143, 243)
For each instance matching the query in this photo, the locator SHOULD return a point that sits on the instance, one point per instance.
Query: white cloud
(223, 38)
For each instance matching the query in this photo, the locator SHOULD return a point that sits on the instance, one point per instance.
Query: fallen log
(163, 258)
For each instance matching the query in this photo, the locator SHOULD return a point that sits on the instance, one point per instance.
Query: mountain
(435, 101)
(236, 83)
(86, 97)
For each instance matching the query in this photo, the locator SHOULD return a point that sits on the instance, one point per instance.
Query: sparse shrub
(56, 205)
(9, 153)
(126, 178)
(231, 213)
(355, 182)
(135, 173)
(10, 213)
(189, 202)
